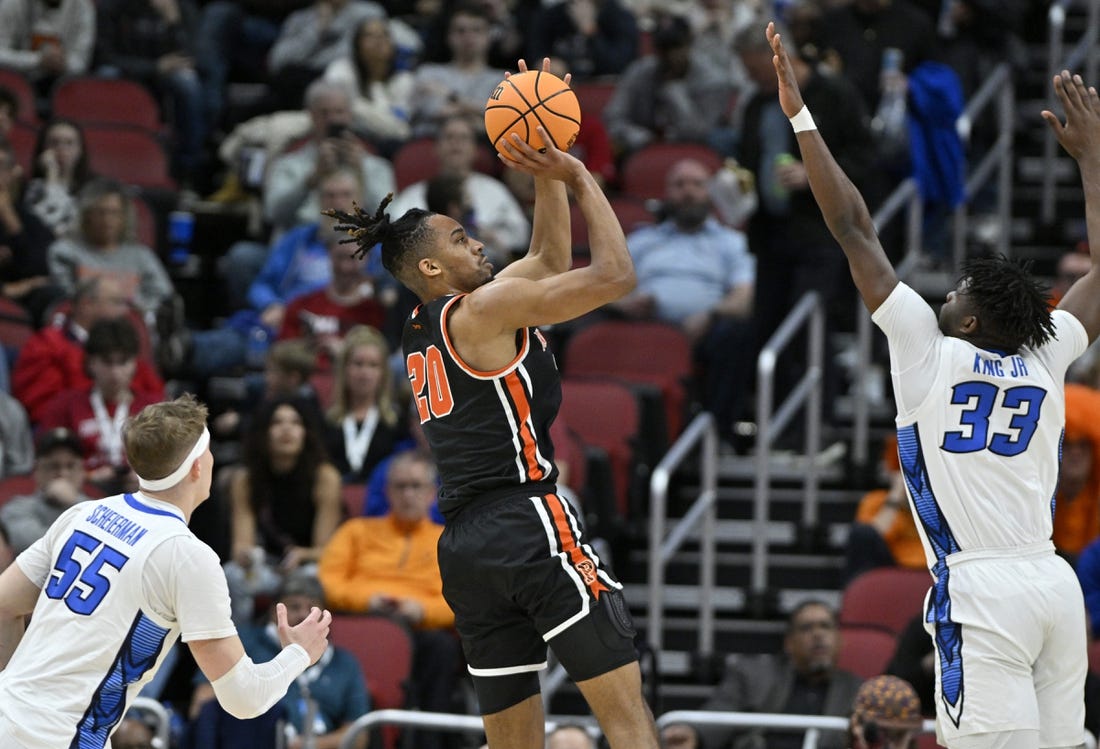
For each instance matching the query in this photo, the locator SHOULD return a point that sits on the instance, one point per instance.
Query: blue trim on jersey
(1054, 494)
(137, 655)
(130, 500)
(948, 633)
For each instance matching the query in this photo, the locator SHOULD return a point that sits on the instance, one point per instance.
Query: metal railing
(1058, 60)
(159, 712)
(770, 422)
(447, 722)
(454, 723)
(999, 89)
(701, 432)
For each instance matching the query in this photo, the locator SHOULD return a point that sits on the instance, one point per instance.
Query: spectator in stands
(671, 95)
(152, 41)
(336, 686)
(884, 533)
(680, 736)
(794, 251)
(569, 736)
(285, 502)
(1072, 265)
(236, 36)
(297, 263)
(461, 86)
(697, 274)
(591, 37)
(58, 485)
(46, 39)
(1077, 497)
(104, 246)
(388, 565)
(59, 171)
(859, 31)
(803, 680)
(24, 239)
(364, 423)
(133, 733)
(98, 412)
(381, 92)
(290, 188)
(914, 660)
(885, 713)
(323, 317)
(496, 218)
(9, 111)
(16, 445)
(310, 39)
(52, 360)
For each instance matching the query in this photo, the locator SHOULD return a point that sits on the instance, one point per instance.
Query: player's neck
(178, 496)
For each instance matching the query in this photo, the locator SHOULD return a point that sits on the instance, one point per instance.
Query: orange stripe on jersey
(476, 373)
(523, 417)
(582, 563)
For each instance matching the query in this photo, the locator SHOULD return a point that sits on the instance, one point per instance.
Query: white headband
(176, 476)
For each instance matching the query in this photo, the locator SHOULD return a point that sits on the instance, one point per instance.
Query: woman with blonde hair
(364, 423)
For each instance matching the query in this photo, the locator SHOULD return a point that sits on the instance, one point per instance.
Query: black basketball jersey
(489, 431)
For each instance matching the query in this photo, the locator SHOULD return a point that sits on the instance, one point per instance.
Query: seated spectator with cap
(886, 714)
(52, 360)
(58, 482)
(335, 684)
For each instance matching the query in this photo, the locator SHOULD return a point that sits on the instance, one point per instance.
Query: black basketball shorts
(517, 573)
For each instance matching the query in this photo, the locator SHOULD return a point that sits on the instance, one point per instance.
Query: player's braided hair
(1011, 303)
(399, 239)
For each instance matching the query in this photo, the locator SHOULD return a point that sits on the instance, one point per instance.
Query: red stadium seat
(145, 224)
(604, 414)
(20, 85)
(130, 155)
(644, 171)
(384, 649)
(632, 213)
(92, 100)
(416, 161)
(16, 325)
(23, 138)
(865, 651)
(353, 496)
(15, 486)
(647, 353)
(594, 95)
(886, 597)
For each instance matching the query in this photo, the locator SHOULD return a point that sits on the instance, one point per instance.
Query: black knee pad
(496, 693)
(600, 642)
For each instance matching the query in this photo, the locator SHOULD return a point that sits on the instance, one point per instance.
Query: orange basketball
(524, 101)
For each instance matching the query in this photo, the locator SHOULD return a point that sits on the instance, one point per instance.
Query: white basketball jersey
(979, 432)
(120, 577)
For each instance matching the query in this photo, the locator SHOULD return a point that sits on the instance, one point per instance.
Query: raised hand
(1080, 135)
(522, 65)
(790, 98)
(311, 633)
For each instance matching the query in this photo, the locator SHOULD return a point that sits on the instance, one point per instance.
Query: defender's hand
(1080, 136)
(790, 98)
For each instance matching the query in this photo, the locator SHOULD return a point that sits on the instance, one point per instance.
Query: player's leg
(598, 652)
(1062, 665)
(1021, 739)
(521, 726)
(617, 702)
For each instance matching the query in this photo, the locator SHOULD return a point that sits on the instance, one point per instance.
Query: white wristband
(803, 120)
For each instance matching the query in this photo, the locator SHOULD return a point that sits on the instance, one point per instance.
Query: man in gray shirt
(58, 478)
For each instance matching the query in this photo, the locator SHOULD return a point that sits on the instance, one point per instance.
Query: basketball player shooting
(981, 409)
(516, 568)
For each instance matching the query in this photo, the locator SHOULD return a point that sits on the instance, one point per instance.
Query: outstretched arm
(841, 204)
(551, 250)
(1080, 136)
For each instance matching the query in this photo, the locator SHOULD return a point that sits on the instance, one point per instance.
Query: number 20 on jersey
(430, 386)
